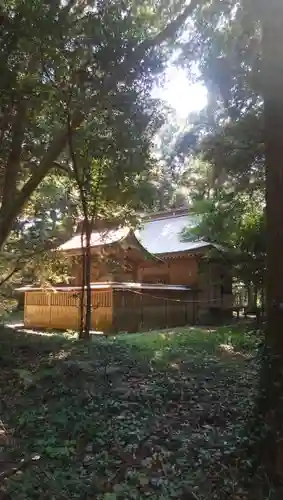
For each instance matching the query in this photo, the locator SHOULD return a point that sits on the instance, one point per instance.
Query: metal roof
(165, 235)
(98, 238)
(157, 236)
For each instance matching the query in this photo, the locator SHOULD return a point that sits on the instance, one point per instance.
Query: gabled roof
(160, 235)
(98, 238)
(123, 236)
(164, 235)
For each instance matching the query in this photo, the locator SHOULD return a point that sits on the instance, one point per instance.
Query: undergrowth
(128, 417)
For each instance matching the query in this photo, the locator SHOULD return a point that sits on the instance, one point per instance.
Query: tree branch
(25, 258)
(64, 168)
(68, 7)
(5, 119)
(60, 140)
(9, 276)
(172, 28)
(75, 164)
(58, 144)
(20, 466)
(13, 163)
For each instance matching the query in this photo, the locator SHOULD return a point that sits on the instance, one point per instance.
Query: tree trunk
(87, 281)
(252, 297)
(85, 305)
(255, 297)
(83, 282)
(271, 401)
(9, 212)
(262, 300)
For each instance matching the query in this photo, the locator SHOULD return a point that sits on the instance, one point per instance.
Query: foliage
(224, 41)
(128, 417)
(236, 153)
(238, 50)
(84, 68)
(94, 61)
(220, 156)
(178, 175)
(163, 175)
(29, 255)
(224, 44)
(237, 223)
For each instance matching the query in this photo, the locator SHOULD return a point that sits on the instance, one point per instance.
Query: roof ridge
(168, 214)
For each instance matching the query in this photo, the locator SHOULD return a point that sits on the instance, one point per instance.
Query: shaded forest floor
(129, 417)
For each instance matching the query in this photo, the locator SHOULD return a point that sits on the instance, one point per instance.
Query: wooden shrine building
(140, 279)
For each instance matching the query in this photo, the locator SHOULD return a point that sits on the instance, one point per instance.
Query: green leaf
(143, 479)
(109, 496)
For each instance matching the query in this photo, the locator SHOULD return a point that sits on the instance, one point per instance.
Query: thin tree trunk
(249, 296)
(87, 326)
(85, 302)
(263, 301)
(271, 401)
(83, 282)
(9, 213)
(255, 297)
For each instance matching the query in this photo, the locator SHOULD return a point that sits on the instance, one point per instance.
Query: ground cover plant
(136, 416)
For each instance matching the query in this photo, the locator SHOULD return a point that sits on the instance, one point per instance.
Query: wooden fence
(142, 311)
(114, 309)
(61, 310)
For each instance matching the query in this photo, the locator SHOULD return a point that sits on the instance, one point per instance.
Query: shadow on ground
(132, 417)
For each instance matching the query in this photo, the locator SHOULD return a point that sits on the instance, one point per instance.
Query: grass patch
(133, 417)
(191, 340)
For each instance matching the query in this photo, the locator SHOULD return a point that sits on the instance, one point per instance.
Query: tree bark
(271, 400)
(14, 158)
(83, 281)
(85, 297)
(251, 296)
(87, 257)
(10, 212)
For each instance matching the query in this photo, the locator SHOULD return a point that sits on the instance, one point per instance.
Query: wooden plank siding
(145, 311)
(113, 310)
(184, 271)
(61, 310)
(123, 309)
(115, 265)
(37, 309)
(180, 271)
(140, 279)
(102, 310)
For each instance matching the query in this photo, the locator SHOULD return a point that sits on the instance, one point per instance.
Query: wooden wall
(99, 272)
(211, 279)
(180, 271)
(129, 266)
(116, 310)
(154, 272)
(184, 271)
(116, 266)
(61, 310)
(112, 310)
(119, 264)
(152, 309)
